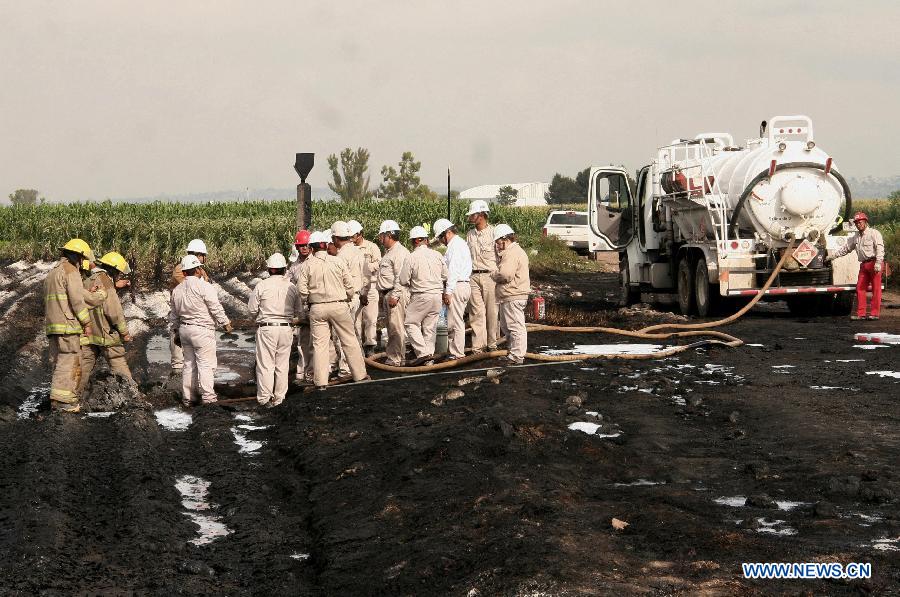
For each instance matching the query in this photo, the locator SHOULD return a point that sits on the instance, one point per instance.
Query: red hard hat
(860, 216)
(302, 238)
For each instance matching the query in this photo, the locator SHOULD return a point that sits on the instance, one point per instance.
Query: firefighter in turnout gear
(66, 316)
(107, 319)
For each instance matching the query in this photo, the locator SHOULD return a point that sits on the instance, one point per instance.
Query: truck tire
(627, 294)
(685, 286)
(707, 295)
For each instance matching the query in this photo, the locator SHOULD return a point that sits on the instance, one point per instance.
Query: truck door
(610, 209)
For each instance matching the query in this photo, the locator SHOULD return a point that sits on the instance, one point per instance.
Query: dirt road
(425, 486)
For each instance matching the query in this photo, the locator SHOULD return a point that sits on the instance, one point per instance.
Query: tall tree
(24, 197)
(506, 195)
(563, 190)
(352, 182)
(402, 182)
(581, 181)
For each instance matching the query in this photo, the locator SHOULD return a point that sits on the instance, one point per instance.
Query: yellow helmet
(76, 245)
(116, 260)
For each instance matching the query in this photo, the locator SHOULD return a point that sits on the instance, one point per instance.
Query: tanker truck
(706, 222)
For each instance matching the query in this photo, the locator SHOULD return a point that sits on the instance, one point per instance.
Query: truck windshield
(568, 218)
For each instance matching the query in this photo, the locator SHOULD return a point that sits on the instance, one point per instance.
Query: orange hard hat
(302, 238)
(860, 216)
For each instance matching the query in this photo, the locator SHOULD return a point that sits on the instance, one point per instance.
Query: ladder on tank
(715, 201)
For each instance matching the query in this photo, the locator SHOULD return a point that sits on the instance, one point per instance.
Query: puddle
(243, 343)
(173, 419)
(639, 483)
(246, 446)
(886, 544)
(870, 346)
(194, 492)
(158, 351)
(33, 400)
(608, 349)
(894, 374)
(737, 501)
(770, 527)
(879, 338)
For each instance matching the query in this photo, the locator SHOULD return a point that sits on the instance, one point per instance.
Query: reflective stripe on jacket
(65, 309)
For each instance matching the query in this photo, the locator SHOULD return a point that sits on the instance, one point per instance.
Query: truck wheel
(842, 303)
(685, 287)
(707, 295)
(627, 295)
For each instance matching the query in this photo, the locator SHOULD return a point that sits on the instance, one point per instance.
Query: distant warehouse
(530, 193)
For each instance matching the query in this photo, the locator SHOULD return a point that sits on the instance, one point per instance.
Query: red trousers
(868, 276)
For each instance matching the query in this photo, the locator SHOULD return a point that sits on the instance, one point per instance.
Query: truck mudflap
(792, 290)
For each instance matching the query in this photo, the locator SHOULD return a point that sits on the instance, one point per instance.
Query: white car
(571, 227)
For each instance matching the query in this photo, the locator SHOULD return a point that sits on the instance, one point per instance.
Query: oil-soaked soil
(403, 486)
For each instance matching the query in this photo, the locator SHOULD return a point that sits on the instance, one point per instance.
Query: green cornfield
(240, 235)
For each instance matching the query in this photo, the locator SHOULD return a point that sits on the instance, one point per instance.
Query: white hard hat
(276, 261)
(501, 230)
(478, 206)
(354, 226)
(190, 262)
(441, 226)
(389, 226)
(317, 237)
(418, 232)
(341, 229)
(196, 246)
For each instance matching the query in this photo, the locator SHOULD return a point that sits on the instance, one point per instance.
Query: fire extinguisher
(538, 307)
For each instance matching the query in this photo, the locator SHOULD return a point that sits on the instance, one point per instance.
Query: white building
(530, 193)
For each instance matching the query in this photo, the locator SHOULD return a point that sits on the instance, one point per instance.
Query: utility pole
(303, 165)
(448, 193)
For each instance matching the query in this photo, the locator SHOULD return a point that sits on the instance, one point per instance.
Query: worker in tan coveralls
(342, 239)
(194, 313)
(304, 372)
(458, 288)
(196, 248)
(483, 316)
(275, 304)
(513, 286)
(423, 276)
(367, 324)
(326, 287)
(66, 316)
(107, 319)
(394, 297)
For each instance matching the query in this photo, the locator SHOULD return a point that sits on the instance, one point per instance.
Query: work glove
(228, 328)
(877, 266)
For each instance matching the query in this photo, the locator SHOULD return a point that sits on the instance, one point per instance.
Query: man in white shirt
(458, 289)
(869, 246)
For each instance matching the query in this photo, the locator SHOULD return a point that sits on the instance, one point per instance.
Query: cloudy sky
(119, 99)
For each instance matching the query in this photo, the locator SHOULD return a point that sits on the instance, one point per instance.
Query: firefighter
(304, 340)
(193, 317)
(275, 303)
(423, 276)
(366, 325)
(393, 296)
(869, 246)
(458, 288)
(513, 286)
(483, 315)
(196, 248)
(326, 288)
(107, 319)
(342, 239)
(66, 316)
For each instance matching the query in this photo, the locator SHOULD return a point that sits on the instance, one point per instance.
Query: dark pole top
(304, 164)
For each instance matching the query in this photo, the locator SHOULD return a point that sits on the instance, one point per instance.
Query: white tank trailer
(709, 219)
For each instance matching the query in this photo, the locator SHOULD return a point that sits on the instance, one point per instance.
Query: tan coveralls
(65, 313)
(388, 283)
(367, 325)
(177, 358)
(325, 284)
(195, 311)
(108, 323)
(513, 286)
(355, 260)
(483, 316)
(304, 338)
(423, 276)
(275, 302)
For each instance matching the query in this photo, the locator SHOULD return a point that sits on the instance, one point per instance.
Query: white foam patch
(158, 351)
(247, 446)
(591, 413)
(101, 415)
(173, 419)
(783, 366)
(589, 428)
(300, 556)
(772, 527)
(639, 483)
(886, 544)
(226, 375)
(755, 345)
(869, 346)
(828, 388)
(32, 401)
(850, 361)
(894, 374)
(638, 349)
(194, 497)
(737, 501)
(788, 505)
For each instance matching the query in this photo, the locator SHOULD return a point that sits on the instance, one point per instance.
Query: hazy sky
(118, 99)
